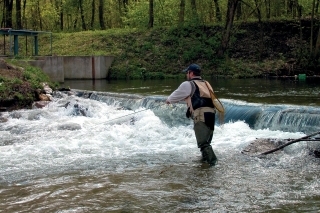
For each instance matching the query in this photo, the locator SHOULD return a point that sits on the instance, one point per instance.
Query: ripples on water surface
(274, 91)
(64, 158)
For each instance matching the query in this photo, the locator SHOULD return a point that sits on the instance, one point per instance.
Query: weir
(289, 118)
(59, 68)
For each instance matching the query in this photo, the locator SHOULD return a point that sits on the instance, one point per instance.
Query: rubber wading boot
(209, 156)
(203, 158)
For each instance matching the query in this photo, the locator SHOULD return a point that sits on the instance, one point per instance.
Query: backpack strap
(188, 99)
(193, 88)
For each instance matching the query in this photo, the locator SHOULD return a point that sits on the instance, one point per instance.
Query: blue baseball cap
(193, 67)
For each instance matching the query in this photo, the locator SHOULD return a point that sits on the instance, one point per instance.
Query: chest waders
(203, 113)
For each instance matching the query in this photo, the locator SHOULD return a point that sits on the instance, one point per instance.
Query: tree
(181, 11)
(151, 14)
(232, 6)
(194, 10)
(312, 18)
(24, 22)
(268, 10)
(8, 5)
(317, 47)
(61, 15)
(36, 19)
(239, 11)
(18, 14)
(101, 18)
(314, 52)
(58, 4)
(84, 27)
(261, 42)
(39, 15)
(93, 13)
(218, 12)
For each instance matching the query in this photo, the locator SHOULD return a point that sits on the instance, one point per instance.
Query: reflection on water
(274, 91)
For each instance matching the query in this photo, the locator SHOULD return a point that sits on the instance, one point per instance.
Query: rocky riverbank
(23, 87)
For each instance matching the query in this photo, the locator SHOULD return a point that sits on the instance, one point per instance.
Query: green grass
(164, 51)
(149, 54)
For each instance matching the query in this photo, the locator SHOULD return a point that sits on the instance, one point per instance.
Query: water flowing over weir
(275, 117)
(110, 152)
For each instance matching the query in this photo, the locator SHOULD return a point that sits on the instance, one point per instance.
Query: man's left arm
(181, 93)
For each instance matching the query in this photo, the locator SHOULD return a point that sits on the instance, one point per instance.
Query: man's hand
(167, 102)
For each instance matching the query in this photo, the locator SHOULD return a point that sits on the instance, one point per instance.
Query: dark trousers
(204, 137)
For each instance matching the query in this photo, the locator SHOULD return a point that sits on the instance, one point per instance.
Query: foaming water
(99, 154)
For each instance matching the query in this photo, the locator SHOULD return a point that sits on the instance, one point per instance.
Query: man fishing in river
(200, 109)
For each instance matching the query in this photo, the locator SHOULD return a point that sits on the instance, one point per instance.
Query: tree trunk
(24, 21)
(3, 15)
(75, 23)
(232, 6)
(280, 6)
(39, 14)
(292, 8)
(301, 35)
(193, 5)
(181, 11)
(93, 11)
(218, 11)
(311, 34)
(317, 47)
(101, 18)
(18, 14)
(8, 4)
(194, 10)
(61, 15)
(151, 14)
(82, 15)
(268, 12)
(261, 43)
(239, 11)
(124, 4)
(289, 7)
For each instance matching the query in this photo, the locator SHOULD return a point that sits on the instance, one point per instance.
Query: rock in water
(261, 145)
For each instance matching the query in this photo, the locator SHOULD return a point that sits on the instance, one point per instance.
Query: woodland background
(239, 38)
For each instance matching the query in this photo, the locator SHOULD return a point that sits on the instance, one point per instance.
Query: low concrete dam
(60, 68)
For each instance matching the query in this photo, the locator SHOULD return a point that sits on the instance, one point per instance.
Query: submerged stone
(261, 145)
(69, 126)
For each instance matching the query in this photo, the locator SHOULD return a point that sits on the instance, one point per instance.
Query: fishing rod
(138, 112)
(128, 115)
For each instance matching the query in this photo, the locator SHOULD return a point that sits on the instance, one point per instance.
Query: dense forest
(70, 16)
(79, 15)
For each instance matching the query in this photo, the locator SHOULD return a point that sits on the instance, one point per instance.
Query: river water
(116, 147)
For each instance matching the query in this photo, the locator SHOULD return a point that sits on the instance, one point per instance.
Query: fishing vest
(197, 98)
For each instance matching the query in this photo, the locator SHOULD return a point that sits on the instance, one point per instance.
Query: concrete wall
(60, 68)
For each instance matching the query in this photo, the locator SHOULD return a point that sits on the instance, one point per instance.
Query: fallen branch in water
(305, 138)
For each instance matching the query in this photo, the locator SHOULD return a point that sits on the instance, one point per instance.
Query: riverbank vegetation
(156, 39)
(18, 85)
(163, 52)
